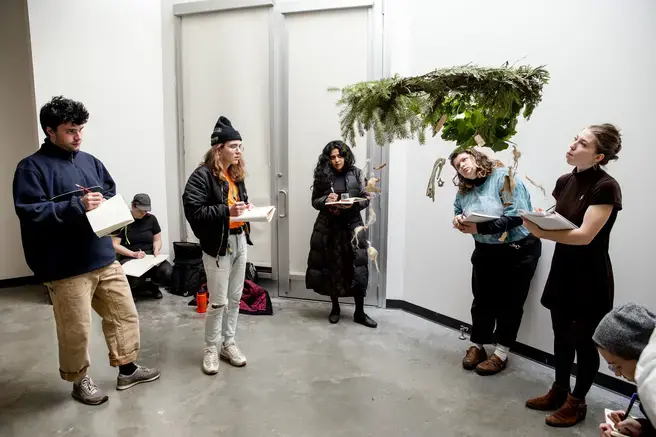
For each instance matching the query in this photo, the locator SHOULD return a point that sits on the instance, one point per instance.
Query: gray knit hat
(625, 331)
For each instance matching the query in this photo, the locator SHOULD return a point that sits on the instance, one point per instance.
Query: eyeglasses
(235, 147)
(612, 367)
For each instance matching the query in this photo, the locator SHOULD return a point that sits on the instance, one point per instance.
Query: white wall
(17, 120)
(601, 58)
(170, 118)
(108, 54)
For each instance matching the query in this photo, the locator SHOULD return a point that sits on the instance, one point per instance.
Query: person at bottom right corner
(580, 287)
(621, 337)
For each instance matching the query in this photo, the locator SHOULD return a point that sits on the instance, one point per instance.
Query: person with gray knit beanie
(625, 331)
(621, 337)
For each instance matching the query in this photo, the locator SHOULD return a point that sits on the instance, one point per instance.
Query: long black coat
(331, 243)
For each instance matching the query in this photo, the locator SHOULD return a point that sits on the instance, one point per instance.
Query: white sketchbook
(549, 221)
(110, 215)
(256, 214)
(476, 217)
(349, 201)
(137, 267)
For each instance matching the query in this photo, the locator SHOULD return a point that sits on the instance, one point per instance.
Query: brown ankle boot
(474, 357)
(551, 401)
(570, 414)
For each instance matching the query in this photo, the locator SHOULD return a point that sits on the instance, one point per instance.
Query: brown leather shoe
(474, 357)
(491, 366)
(570, 414)
(551, 401)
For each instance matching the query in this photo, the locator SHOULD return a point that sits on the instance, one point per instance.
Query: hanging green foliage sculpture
(469, 105)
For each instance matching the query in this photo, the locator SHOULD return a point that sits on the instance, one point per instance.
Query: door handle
(283, 214)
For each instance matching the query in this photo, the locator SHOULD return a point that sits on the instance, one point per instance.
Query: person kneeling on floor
(621, 338)
(138, 239)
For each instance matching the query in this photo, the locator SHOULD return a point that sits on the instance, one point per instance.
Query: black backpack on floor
(188, 271)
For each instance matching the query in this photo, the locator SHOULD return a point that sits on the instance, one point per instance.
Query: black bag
(251, 272)
(188, 271)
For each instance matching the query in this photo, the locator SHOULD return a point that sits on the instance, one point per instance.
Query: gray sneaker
(141, 375)
(87, 392)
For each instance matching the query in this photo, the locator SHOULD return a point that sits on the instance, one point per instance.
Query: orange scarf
(233, 197)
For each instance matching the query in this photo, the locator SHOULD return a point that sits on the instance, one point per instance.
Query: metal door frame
(378, 66)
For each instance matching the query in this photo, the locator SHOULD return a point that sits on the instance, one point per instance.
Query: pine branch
(463, 101)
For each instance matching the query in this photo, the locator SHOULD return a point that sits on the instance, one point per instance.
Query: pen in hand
(628, 410)
(90, 200)
(86, 190)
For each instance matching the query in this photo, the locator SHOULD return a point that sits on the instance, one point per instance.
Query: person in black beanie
(621, 337)
(214, 193)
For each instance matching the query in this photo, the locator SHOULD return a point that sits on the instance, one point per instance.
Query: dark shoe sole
(488, 372)
(87, 402)
(563, 425)
(125, 387)
(333, 318)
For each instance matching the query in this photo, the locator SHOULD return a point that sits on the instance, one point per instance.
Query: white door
(225, 70)
(268, 69)
(320, 49)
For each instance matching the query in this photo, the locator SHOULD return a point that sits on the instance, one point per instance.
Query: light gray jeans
(225, 284)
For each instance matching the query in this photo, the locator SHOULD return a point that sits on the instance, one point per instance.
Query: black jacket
(205, 202)
(318, 275)
(58, 241)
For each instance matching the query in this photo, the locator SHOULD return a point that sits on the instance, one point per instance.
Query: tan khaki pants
(106, 290)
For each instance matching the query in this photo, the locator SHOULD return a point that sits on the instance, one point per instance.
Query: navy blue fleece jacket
(57, 239)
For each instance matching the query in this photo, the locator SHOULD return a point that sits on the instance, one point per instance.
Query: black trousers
(501, 278)
(159, 275)
(573, 335)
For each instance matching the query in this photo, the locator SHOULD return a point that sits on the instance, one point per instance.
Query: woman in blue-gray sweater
(504, 259)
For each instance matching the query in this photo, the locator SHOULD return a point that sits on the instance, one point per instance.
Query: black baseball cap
(141, 201)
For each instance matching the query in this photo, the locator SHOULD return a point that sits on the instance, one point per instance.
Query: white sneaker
(232, 354)
(210, 360)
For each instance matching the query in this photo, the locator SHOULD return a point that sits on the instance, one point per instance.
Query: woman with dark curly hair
(338, 265)
(504, 260)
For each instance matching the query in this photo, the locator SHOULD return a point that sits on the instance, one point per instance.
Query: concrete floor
(305, 378)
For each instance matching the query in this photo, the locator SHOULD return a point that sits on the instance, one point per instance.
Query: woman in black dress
(579, 290)
(338, 265)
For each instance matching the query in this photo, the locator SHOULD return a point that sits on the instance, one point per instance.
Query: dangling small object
(462, 333)
(440, 182)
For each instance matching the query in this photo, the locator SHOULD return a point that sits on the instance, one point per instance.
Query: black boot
(365, 320)
(334, 313)
(154, 291)
(360, 317)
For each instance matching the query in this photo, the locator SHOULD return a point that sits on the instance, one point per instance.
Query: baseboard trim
(18, 282)
(607, 382)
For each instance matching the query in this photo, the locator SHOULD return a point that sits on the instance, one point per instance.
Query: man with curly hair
(53, 190)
